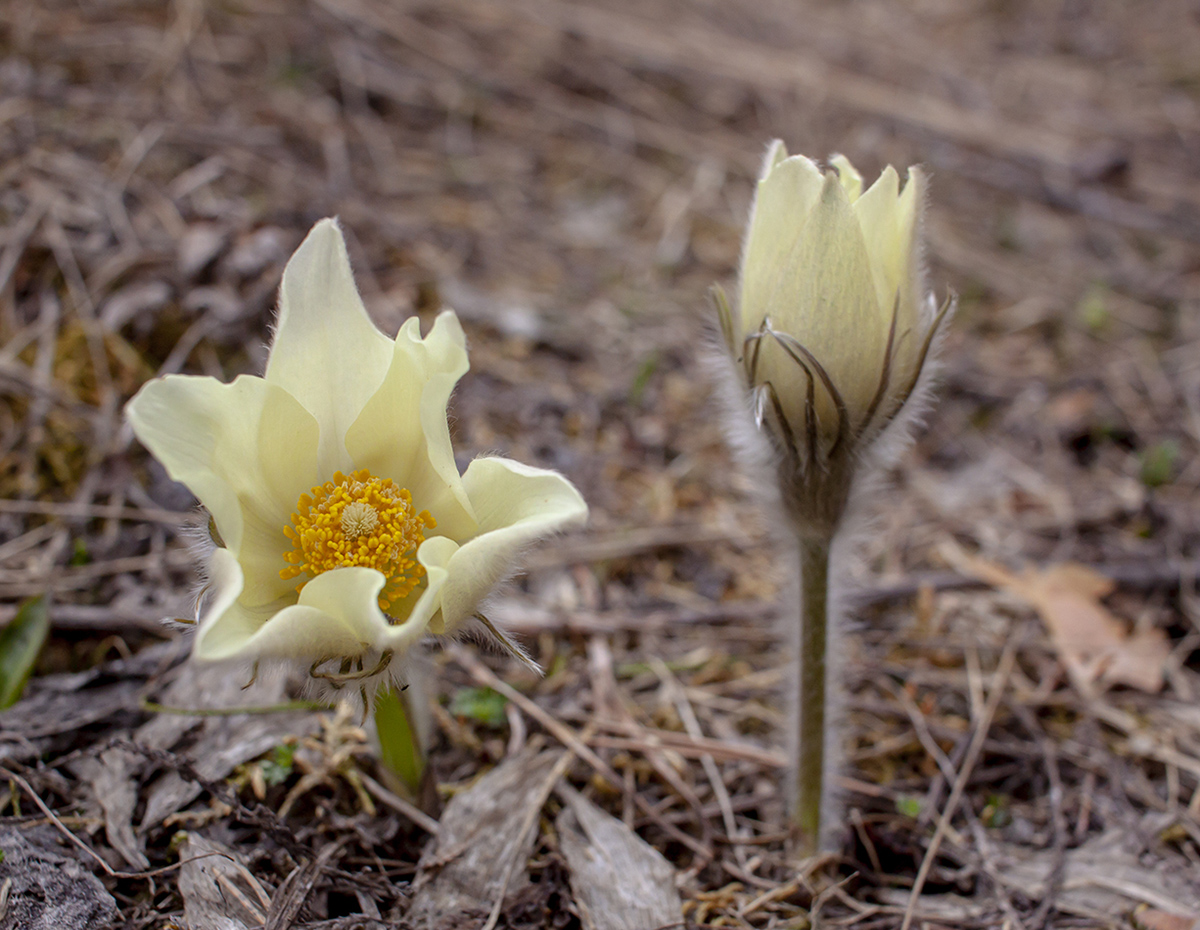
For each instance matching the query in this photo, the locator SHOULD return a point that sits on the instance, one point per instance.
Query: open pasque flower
(344, 530)
(833, 325)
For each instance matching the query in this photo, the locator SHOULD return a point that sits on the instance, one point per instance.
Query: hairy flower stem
(808, 698)
(400, 744)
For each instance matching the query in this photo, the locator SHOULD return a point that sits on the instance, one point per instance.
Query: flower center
(358, 520)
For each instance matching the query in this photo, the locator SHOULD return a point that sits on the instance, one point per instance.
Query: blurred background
(571, 178)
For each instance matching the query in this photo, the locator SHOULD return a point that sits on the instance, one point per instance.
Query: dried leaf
(484, 842)
(620, 882)
(199, 247)
(1106, 875)
(219, 892)
(217, 745)
(1093, 644)
(1149, 918)
(46, 890)
(112, 778)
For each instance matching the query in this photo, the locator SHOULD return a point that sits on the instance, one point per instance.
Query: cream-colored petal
(776, 152)
(337, 614)
(326, 353)
(516, 504)
(848, 175)
(912, 321)
(403, 432)
(423, 609)
(878, 215)
(781, 204)
(224, 630)
(825, 299)
(247, 450)
(909, 215)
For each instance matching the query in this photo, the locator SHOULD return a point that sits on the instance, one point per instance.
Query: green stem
(400, 746)
(808, 704)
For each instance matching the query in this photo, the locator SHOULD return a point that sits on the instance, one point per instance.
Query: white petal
(304, 631)
(776, 152)
(825, 298)
(784, 198)
(403, 432)
(516, 504)
(909, 216)
(878, 215)
(327, 353)
(424, 607)
(224, 629)
(850, 177)
(899, 257)
(337, 615)
(247, 450)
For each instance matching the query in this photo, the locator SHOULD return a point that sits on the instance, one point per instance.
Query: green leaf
(400, 747)
(996, 811)
(480, 704)
(20, 644)
(1158, 463)
(642, 379)
(909, 805)
(1092, 309)
(278, 768)
(79, 554)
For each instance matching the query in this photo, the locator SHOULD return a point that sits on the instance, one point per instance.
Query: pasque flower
(830, 340)
(833, 325)
(344, 531)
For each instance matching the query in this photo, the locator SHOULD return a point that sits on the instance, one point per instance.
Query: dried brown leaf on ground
(219, 892)
(1103, 876)
(213, 744)
(46, 890)
(1149, 918)
(620, 882)
(1094, 645)
(109, 779)
(485, 837)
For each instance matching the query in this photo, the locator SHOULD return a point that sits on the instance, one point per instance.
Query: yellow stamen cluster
(358, 520)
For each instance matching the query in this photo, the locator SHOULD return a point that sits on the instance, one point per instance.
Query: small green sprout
(482, 705)
(278, 768)
(1158, 463)
(909, 805)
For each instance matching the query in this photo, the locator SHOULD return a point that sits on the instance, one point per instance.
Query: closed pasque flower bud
(831, 341)
(833, 325)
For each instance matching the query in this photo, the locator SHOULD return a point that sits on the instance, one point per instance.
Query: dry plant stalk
(831, 342)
